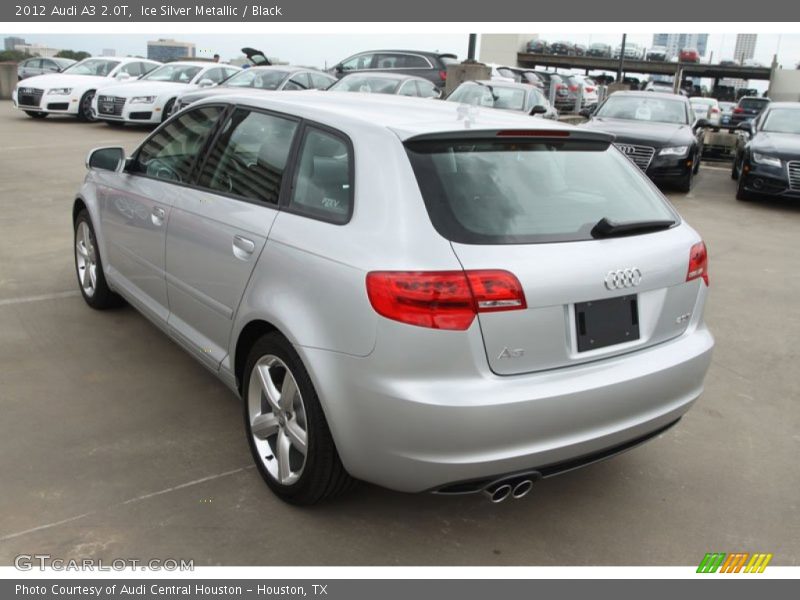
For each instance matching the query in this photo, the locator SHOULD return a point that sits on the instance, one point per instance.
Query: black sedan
(658, 132)
(768, 157)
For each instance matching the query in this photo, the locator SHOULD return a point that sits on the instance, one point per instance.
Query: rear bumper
(417, 427)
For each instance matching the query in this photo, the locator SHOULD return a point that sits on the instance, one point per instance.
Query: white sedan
(150, 99)
(71, 92)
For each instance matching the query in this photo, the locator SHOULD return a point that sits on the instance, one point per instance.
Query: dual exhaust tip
(512, 487)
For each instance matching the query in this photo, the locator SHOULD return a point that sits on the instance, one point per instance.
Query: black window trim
(285, 205)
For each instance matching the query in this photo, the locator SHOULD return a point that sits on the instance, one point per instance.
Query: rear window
(508, 192)
(751, 103)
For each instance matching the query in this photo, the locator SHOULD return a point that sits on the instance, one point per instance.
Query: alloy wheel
(278, 421)
(86, 258)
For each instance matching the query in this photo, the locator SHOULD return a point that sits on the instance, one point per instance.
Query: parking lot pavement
(116, 444)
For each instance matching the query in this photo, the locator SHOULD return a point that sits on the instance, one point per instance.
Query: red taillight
(698, 263)
(573, 88)
(443, 75)
(738, 110)
(443, 299)
(589, 88)
(714, 110)
(560, 86)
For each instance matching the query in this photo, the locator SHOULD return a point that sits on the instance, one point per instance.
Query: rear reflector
(698, 263)
(443, 299)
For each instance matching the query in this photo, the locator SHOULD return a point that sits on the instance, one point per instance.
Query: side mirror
(586, 112)
(338, 68)
(204, 83)
(538, 110)
(702, 123)
(746, 126)
(111, 158)
(438, 93)
(122, 76)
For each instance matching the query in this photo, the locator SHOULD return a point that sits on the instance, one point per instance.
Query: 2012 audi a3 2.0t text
(405, 292)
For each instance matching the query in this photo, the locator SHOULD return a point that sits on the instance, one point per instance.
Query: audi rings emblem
(623, 278)
(625, 149)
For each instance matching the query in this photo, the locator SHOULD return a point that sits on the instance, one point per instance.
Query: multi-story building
(745, 46)
(10, 42)
(108, 52)
(165, 50)
(37, 50)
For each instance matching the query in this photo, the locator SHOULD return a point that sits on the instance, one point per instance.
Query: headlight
(143, 100)
(674, 151)
(60, 91)
(763, 159)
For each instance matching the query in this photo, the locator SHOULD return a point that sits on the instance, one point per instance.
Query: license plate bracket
(607, 322)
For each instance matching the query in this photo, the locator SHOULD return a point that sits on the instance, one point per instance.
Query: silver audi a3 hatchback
(425, 296)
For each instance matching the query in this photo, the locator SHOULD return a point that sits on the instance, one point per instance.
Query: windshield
(640, 108)
(492, 96)
(97, 67)
(175, 73)
(508, 192)
(261, 79)
(366, 83)
(753, 103)
(782, 120)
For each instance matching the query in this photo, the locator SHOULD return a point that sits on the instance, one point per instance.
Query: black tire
(323, 476)
(696, 167)
(34, 114)
(85, 112)
(735, 168)
(167, 109)
(101, 297)
(684, 184)
(741, 193)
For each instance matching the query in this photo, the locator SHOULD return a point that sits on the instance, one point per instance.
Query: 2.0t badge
(623, 278)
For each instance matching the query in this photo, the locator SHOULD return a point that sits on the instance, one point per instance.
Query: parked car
(657, 54)
(748, 107)
(562, 48)
(400, 296)
(706, 108)
(726, 112)
(599, 50)
(522, 75)
(659, 86)
(516, 97)
(30, 67)
(728, 63)
(689, 55)
(580, 50)
(767, 161)
(632, 51)
(387, 83)
(150, 99)
(428, 65)
(71, 92)
(573, 83)
(537, 47)
(658, 132)
(273, 78)
(552, 80)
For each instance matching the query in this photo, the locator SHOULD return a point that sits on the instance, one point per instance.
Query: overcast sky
(317, 50)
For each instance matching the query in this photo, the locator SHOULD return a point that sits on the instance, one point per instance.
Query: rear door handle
(243, 247)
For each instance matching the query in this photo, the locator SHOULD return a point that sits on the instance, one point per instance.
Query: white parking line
(11, 536)
(26, 299)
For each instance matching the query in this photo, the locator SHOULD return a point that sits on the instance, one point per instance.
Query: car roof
(406, 51)
(406, 117)
(506, 84)
(381, 74)
(286, 68)
(197, 63)
(645, 94)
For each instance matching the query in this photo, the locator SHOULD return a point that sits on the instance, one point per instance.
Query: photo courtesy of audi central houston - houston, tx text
(378, 297)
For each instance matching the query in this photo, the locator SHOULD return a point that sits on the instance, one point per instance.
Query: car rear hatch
(602, 260)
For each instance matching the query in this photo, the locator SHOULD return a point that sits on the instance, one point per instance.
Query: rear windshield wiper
(605, 228)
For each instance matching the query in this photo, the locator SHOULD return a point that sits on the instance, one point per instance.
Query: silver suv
(405, 292)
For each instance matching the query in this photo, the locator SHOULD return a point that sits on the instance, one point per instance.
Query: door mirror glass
(122, 76)
(107, 159)
(204, 83)
(538, 110)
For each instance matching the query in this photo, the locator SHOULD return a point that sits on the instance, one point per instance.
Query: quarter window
(249, 157)
(362, 61)
(409, 88)
(171, 152)
(323, 184)
(321, 82)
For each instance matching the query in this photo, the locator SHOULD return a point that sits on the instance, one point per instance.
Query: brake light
(698, 263)
(573, 88)
(443, 75)
(714, 110)
(738, 110)
(443, 299)
(589, 88)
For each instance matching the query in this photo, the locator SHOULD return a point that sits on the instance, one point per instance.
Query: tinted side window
(323, 184)
(249, 157)
(362, 61)
(170, 153)
(321, 82)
